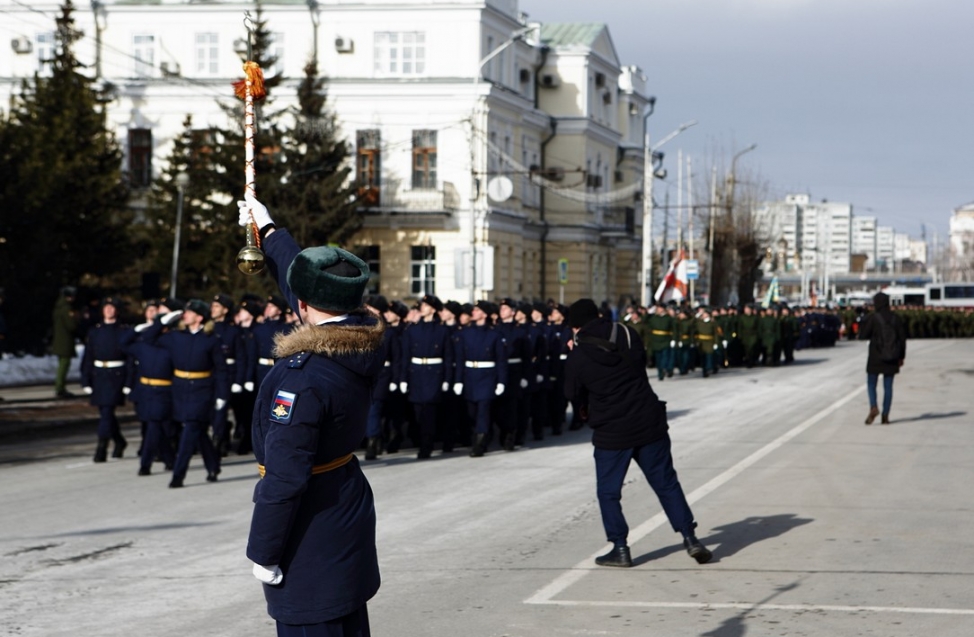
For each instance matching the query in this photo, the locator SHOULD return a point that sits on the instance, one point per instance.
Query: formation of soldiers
(457, 375)
(920, 322)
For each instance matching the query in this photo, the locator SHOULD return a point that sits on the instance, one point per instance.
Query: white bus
(900, 295)
(950, 294)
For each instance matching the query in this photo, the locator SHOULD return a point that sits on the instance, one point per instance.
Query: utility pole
(710, 257)
(649, 175)
(690, 222)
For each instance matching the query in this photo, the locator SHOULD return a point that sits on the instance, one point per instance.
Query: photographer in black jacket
(606, 372)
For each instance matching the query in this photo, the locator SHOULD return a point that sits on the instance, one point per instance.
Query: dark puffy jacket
(610, 378)
(870, 331)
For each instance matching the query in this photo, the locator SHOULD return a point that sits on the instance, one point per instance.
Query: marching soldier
(534, 374)
(427, 361)
(104, 372)
(385, 383)
(507, 407)
(789, 334)
(558, 335)
(398, 406)
(747, 330)
(481, 372)
(707, 334)
(232, 346)
(770, 332)
(662, 339)
(684, 341)
(248, 311)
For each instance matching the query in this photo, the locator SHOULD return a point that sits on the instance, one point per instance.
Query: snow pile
(35, 370)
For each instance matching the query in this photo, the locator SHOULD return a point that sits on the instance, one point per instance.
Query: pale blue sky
(869, 102)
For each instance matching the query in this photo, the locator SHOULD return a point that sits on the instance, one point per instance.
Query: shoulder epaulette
(297, 361)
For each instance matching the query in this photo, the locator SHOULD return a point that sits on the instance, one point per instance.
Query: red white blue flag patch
(283, 406)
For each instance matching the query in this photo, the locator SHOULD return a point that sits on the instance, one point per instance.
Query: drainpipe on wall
(541, 208)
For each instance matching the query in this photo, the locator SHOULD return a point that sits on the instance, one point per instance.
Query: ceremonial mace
(250, 259)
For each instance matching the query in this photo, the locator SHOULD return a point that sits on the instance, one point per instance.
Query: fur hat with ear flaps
(328, 278)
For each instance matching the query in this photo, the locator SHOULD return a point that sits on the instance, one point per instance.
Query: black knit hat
(377, 301)
(328, 278)
(486, 306)
(199, 306)
(224, 300)
(582, 312)
(454, 307)
(279, 303)
(432, 301)
(171, 304)
(524, 308)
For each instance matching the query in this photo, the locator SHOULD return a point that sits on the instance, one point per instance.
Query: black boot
(509, 441)
(119, 448)
(479, 446)
(372, 448)
(395, 442)
(101, 451)
(619, 556)
(696, 550)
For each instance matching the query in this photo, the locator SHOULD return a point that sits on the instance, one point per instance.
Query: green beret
(328, 278)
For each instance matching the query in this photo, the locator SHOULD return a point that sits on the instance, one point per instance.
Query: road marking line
(764, 607)
(580, 570)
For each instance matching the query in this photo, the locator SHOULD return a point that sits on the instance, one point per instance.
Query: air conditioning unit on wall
(21, 45)
(344, 45)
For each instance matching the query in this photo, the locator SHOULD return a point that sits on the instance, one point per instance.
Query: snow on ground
(35, 370)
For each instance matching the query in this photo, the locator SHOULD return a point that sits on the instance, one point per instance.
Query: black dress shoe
(211, 477)
(619, 556)
(176, 483)
(696, 550)
(145, 471)
(372, 448)
(479, 446)
(119, 448)
(424, 454)
(101, 451)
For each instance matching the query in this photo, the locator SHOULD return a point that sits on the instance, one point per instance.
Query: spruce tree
(63, 212)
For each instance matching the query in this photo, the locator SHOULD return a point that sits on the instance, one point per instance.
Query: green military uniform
(747, 331)
(789, 334)
(684, 343)
(662, 328)
(770, 331)
(707, 333)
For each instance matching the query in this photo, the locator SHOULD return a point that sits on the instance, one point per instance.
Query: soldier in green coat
(789, 334)
(662, 335)
(770, 331)
(63, 329)
(747, 331)
(707, 334)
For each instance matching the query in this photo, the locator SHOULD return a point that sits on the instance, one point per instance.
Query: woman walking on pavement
(887, 351)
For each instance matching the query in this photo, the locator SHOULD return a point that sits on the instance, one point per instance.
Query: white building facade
(473, 131)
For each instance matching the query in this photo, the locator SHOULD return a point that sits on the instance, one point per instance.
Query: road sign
(562, 271)
(693, 269)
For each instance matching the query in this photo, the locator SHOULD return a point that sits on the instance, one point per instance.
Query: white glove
(499, 389)
(126, 390)
(269, 574)
(672, 343)
(249, 385)
(254, 211)
(524, 383)
(393, 387)
(87, 390)
(236, 388)
(404, 387)
(446, 386)
(457, 388)
(220, 404)
(725, 344)
(142, 326)
(171, 317)
(539, 379)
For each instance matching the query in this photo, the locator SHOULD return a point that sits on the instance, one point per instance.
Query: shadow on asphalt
(729, 539)
(125, 529)
(735, 626)
(928, 416)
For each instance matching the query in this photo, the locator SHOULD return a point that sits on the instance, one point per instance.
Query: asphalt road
(819, 525)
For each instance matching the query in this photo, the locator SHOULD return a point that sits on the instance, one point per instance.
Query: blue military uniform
(105, 369)
(427, 362)
(481, 364)
(232, 347)
(557, 354)
(314, 512)
(538, 369)
(152, 395)
(507, 412)
(388, 377)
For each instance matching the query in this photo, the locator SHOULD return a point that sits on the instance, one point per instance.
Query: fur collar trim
(330, 340)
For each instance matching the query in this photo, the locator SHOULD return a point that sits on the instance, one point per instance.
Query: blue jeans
(656, 463)
(871, 380)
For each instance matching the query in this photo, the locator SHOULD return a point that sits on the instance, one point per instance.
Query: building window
(370, 254)
(207, 53)
(140, 157)
(144, 52)
(400, 53)
(368, 166)
(424, 159)
(423, 270)
(45, 53)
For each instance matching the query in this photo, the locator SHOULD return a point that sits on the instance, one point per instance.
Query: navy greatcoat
(311, 410)
(480, 344)
(427, 340)
(104, 366)
(153, 402)
(193, 399)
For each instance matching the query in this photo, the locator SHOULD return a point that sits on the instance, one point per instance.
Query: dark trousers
(373, 424)
(539, 413)
(505, 413)
(871, 381)
(523, 416)
(195, 437)
(479, 412)
(656, 463)
(664, 361)
(243, 412)
(355, 624)
(426, 419)
(156, 443)
(108, 424)
(557, 405)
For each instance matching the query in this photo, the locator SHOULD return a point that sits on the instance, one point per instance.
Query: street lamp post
(650, 172)
(182, 180)
(732, 178)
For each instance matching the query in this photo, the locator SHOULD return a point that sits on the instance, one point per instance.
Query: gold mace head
(250, 260)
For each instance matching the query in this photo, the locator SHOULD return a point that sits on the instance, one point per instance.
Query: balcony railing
(394, 199)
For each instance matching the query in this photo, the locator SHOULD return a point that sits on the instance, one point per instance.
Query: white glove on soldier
(539, 379)
(725, 344)
(446, 386)
(499, 389)
(404, 387)
(126, 390)
(236, 388)
(269, 574)
(142, 326)
(87, 390)
(457, 388)
(672, 343)
(249, 385)
(524, 383)
(171, 317)
(220, 404)
(251, 207)
(393, 387)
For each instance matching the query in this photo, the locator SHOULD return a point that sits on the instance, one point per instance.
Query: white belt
(109, 364)
(266, 361)
(480, 364)
(563, 357)
(231, 361)
(426, 361)
(513, 361)
(387, 364)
